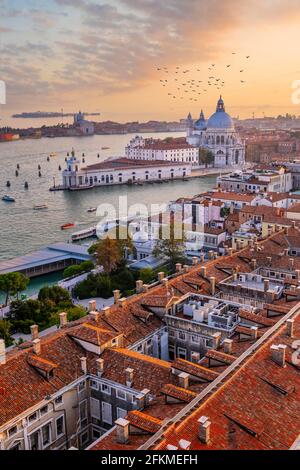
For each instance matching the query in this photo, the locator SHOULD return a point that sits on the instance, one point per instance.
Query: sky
(104, 55)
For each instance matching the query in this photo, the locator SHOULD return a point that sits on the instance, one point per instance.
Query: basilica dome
(220, 119)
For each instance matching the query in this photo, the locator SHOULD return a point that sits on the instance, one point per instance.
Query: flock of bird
(180, 85)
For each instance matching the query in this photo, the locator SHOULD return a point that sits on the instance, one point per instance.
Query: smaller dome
(200, 124)
(140, 237)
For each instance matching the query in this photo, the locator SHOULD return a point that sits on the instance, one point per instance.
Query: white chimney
(36, 346)
(139, 285)
(204, 429)
(266, 285)
(212, 285)
(171, 447)
(63, 319)
(100, 366)
(83, 362)
(95, 316)
(122, 430)
(129, 376)
(116, 296)
(2, 352)
(34, 332)
(254, 332)
(161, 276)
(183, 444)
(194, 260)
(203, 271)
(106, 310)
(178, 267)
(186, 268)
(216, 340)
(290, 328)
(278, 354)
(92, 305)
(122, 302)
(184, 380)
(227, 345)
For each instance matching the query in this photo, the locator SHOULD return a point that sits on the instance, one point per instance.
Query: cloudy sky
(103, 55)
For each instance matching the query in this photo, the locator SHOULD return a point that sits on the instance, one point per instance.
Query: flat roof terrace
(53, 258)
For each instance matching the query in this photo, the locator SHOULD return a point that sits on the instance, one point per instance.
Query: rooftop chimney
(278, 354)
(139, 286)
(286, 252)
(216, 340)
(253, 263)
(202, 258)
(293, 223)
(204, 429)
(194, 260)
(2, 352)
(95, 316)
(34, 332)
(183, 444)
(106, 310)
(178, 267)
(161, 276)
(203, 271)
(266, 285)
(92, 305)
(254, 332)
(129, 376)
(186, 268)
(122, 430)
(210, 254)
(227, 344)
(122, 302)
(171, 447)
(116, 295)
(184, 380)
(36, 346)
(100, 366)
(212, 285)
(291, 263)
(230, 251)
(290, 328)
(63, 319)
(83, 364)
(269, 260)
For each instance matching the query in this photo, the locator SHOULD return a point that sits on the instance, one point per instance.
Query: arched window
(222, 139)
(218, 139)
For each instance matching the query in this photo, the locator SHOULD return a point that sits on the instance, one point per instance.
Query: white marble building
(218, 135)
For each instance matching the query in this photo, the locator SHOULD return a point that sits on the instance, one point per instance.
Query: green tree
(5, 331)
(77, 269)
(171, 248)
(11, 284)
(146, 275)
(55, 294)
(206, 157)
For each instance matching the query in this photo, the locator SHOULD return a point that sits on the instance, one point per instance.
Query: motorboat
(40, 207)
(92, 209)
(67, 226)
(8, 199)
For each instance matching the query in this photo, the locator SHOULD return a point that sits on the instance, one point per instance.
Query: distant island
(46, 114)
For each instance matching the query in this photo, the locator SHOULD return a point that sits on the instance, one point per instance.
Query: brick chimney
(204, 429)
(278, 354)
(2, 352)
(36, 343)
(290, 327)
(100, 366)
(116, 296)
(92, 305)
(122, 430)
(227, 344)
(129, 376)
(139, 286)
(184, 380)
(63, 319)
(34, 332)
(83, 364)
(212, 285)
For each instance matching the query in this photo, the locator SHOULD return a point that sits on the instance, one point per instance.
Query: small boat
(105, 148)
(82, 234)
(92, 209)
(8, 199)
(39, 207)
(52, 154)
(67, 226)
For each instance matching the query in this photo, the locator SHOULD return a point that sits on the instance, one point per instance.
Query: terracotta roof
(144, 421)
(40, 363)
(220, 356)
(179, 393)
(194, 369)
(92, 334)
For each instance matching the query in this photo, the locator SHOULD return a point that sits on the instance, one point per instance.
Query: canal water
(23, 229)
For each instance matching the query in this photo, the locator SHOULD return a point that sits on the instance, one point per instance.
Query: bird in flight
(228, 65)
(241, 70)
(247, 56)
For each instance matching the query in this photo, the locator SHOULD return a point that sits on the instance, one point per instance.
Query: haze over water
(24, 230)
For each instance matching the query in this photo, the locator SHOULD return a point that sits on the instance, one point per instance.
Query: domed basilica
(218, 135)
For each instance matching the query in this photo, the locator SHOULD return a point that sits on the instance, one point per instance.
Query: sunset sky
(103, 56)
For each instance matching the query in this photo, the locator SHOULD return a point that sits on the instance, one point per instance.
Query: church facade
(218, 135)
